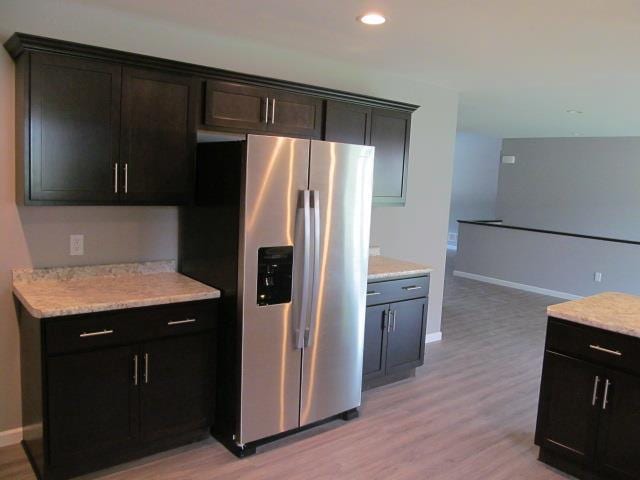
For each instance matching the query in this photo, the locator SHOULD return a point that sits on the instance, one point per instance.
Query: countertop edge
(595, 324)
(124, 305)
(399, 274)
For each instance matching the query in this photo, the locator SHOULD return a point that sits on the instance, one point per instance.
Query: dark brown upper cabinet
(99, 126)
(390, 131)
(347, 123)
(235, 107)
(242, 108)
(158, 137)
(73, 149)
(295, 115)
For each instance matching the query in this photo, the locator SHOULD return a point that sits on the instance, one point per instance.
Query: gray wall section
(475, 178)
(554, 262)
(589, 186)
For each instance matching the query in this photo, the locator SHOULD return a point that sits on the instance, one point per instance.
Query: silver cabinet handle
(182, 322)
(412, 287)
(126, 178)
(605, 402)
(594, 398)
(146, 368)
(389, 320)
(115, 178)
(266, 110)
(315, 206)
(96, 334)
(135, 369)
(371, 294)
(273, 111)
(617, 353)
(391, 326)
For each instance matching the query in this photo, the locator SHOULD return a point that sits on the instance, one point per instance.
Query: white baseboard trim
(434, 337)
(10, 437)
(517, 286)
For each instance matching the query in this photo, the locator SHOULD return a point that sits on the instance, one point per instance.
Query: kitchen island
(589, 411)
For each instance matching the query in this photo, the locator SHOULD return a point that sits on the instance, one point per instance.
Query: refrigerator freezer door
(340, 179)
(276, 174)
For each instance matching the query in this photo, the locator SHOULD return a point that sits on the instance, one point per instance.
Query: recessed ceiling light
(574, 112)
(372, 19)
(576, 134)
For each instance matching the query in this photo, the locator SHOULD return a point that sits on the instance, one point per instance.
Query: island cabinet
(589, 410)
(395, 329)
(99, 389)
(386, 129)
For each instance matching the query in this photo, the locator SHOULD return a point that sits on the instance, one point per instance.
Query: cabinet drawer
(127, 326)
(599, 346)
(397, 290)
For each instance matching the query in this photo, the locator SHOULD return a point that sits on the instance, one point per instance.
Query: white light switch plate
(508, 159)
(76, 244)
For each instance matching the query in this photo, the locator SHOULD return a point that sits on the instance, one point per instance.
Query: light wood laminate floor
(468, 414)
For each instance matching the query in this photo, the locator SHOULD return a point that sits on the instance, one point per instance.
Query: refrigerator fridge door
(340, 181)
(276, 175)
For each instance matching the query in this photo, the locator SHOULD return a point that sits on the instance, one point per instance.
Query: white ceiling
(518, 64)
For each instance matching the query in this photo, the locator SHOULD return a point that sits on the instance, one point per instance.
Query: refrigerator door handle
(316, 267)
(304, 301)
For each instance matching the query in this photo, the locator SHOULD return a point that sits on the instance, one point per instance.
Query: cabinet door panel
(568, 416)
(375, 342)
(390, 136)
(295, 115)
(235, 106)
(347, 123)
(177, 385)
(75, 129)
(92, 404)
(405, 342)
(619, 439)
(158, 137)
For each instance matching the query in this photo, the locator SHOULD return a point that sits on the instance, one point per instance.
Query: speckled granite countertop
(617, 312)
(53, 292)
(385, 268)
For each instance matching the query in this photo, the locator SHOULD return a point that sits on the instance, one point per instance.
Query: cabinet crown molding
(20, 43)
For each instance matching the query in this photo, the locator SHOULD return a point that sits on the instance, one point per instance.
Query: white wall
(576, 185)
(37, 236)
(475, 179)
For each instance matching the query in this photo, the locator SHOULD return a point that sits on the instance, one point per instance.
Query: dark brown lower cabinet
(93, 404)
(115, 386)
(395, 331)
(177, 386)
(589, 411)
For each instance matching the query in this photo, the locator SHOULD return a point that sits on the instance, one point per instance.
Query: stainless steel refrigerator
(303, 210)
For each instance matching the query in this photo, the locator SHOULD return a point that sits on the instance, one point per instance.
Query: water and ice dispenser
(275, 269)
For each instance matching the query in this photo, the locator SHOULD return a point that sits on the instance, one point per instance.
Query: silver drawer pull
(412, 287)
(182, 322)
(371, 294)
(617, 353)
(95, 334)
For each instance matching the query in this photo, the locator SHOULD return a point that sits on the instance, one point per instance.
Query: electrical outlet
(76, 244)
(597, 277)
